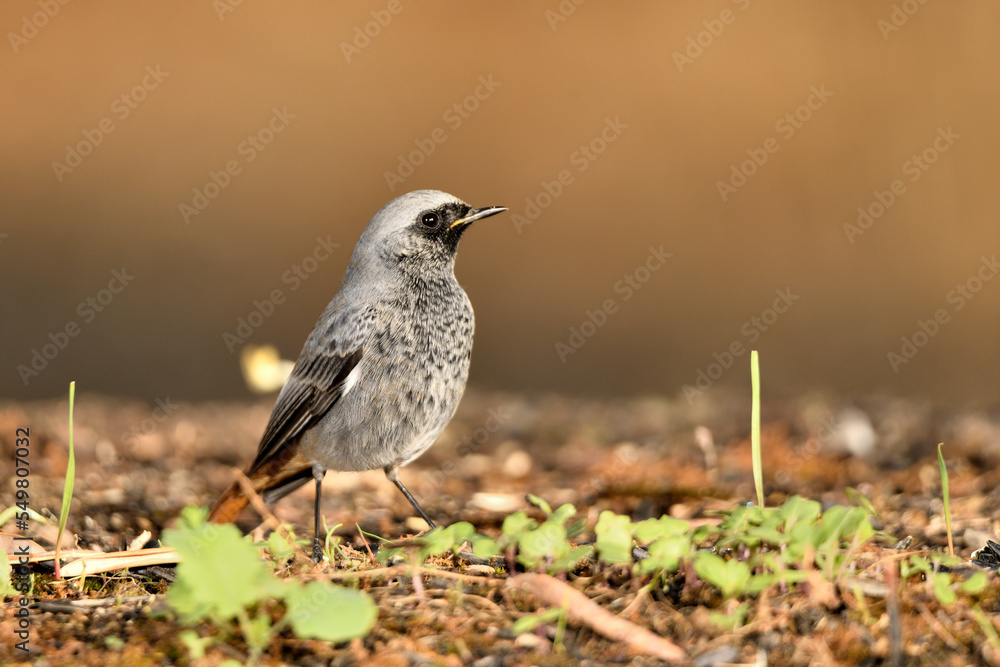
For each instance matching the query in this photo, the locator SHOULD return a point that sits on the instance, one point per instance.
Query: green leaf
(841, 522)
(484, 547)
(6, 588)
(568, 556)
(946, 496)
(729, 576)
(975, 584)
(257, 632)
(942, 587)
(321, 610)
(70, 480)
(540, 504)
(563, 514)
(614, 537)
(444, 539)
(220, 573)
(665, 554)
(730, 621)
(798, 510)
(914, 565)
(279, 547)
(755, 453)
(517, 523)
(860, 500)
(194, 643)
(538, 545)
(650, 530)
(986, 625)
(529, 623)
(758, 583)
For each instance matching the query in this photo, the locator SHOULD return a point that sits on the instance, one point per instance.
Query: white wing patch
(351, 380)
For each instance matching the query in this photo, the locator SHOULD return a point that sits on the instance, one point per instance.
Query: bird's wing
(318, 380)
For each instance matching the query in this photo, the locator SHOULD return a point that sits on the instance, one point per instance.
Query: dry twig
(582, 610)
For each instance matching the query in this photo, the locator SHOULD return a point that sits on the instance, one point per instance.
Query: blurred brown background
(685, 90)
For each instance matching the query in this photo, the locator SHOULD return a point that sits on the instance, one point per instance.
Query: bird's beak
(477, 214)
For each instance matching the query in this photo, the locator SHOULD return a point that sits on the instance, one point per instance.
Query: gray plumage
(383, 371)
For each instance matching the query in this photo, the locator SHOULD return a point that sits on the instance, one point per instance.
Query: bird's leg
(392, 473)
(317, 554)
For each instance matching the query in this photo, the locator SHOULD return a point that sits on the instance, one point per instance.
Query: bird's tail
(271, 479)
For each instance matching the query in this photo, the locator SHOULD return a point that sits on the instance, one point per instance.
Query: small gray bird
(383, 370)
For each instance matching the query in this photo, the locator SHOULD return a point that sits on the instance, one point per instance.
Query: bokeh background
(689, 87)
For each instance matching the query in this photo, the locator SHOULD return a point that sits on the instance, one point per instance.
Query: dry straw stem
(582, 610)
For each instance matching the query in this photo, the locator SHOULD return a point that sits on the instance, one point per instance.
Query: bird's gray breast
(406, 388)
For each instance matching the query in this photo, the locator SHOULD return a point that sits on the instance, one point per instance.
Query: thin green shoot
(758, 468)
(70, 480)
(946, 495)
(987, 627)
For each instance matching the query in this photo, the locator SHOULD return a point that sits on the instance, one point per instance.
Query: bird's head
(420, 230)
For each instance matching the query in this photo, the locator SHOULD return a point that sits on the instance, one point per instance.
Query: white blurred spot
(496, 502)
(518, 464)
(854, 432)
(264, 370)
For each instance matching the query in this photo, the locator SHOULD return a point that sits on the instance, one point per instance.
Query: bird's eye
(430, 220)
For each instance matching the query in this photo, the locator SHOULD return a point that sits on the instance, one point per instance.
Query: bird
(385, 366)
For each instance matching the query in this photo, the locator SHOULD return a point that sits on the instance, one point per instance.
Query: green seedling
(540, 503)
(946, 495)
(669, 541)
(729, 576)
(861, 500)
(9, 513)
(730, 620)
(942, 580)
(70, 480)
(6, 588)
(614, 537)
(280, 547)
(533, 621)
(758, 466)
(222, 579)
(544, 546)
(331, 543)
(195, 644)
(987, 627)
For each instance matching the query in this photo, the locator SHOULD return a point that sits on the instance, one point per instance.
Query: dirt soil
(139, 464)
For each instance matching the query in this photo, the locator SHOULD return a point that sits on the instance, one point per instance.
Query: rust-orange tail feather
(273, 478)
